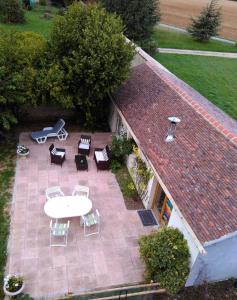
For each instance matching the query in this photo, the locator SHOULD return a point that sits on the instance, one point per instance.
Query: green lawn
(7, 165)
(34, 22)
(171, 39)
(213, 77)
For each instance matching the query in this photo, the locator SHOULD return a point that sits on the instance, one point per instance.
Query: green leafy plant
(139, 16)
(42, 2)
(11, 11)
(120, 148)
(166, 255)
(141, 173)
(13, 283)
(126, 184)
(20, 56)
(207, 24)
(149, 46)
(114, 165)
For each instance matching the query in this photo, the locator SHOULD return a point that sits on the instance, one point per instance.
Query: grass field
(171, 39)
(178, 13)
(34, 22)
(213, 77)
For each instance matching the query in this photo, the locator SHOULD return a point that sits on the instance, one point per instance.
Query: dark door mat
(147, 217)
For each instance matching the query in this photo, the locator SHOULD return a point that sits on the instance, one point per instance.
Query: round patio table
(67, 207)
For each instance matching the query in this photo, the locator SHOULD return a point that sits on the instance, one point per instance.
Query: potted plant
(22, 150)
(13, 285)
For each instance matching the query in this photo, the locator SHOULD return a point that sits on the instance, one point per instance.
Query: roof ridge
(194, 104)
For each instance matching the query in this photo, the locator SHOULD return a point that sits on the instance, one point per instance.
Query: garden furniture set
(58, 206)
(58, 155)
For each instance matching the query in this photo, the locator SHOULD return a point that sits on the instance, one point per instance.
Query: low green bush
(166, 255)
(120, 148)
(149, 46)
(114, 165)
(42, 2)
(11, 11)
(126, 184)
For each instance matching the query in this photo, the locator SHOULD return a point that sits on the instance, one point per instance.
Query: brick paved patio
(86, 263)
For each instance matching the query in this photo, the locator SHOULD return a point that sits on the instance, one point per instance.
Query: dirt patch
(178, 13)
(132, 204)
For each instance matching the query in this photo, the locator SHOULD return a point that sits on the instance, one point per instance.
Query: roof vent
(171, 131)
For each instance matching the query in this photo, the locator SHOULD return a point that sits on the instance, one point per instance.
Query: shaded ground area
(98, 261)
(213, 77)
(178, 13)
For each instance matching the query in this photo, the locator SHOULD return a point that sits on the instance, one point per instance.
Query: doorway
(162, 206)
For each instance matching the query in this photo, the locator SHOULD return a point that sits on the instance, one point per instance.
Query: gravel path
(198, 52)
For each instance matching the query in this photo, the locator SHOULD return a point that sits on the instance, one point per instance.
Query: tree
(89, 58)
(166, 256)
(11, 11)
(207, 24)
(139, 16)
(20, 54)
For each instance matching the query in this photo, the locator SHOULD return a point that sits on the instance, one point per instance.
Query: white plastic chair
(92, 219)
(80, 190)
(59, 230)
(53, 191)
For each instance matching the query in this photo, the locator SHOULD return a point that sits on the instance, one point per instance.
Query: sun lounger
(57, 131)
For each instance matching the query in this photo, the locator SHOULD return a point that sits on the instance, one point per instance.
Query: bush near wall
(166, 255)
(11, 11)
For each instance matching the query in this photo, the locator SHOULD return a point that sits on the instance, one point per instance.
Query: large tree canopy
(89, 58)
(139, 16)
(20, 53)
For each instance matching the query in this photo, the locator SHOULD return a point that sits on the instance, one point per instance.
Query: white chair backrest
(53, 191)
(58, 126)
(59, 229)
(80, 190)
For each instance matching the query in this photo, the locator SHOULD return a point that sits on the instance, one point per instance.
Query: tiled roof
(199, 168)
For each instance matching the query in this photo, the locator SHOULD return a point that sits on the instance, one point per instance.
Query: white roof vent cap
(171, 131)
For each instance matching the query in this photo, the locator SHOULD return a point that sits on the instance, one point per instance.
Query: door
(162, 206)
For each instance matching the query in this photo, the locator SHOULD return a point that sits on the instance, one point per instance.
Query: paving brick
(87, 262)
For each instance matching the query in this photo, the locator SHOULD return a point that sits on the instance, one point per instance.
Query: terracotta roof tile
(199, 168)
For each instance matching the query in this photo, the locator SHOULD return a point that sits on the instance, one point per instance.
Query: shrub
(126, 184)
(149, 46)
(138, 16)
(20, 54)
(207, 24)
(114, 165)
(11, 11)
(166, 256)
(42, 2)
(120, 148)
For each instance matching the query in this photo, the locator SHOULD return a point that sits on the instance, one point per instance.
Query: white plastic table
(67, 207)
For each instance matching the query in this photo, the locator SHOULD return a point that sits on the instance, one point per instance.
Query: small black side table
(81, 162)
